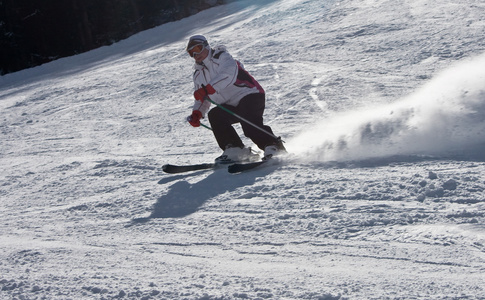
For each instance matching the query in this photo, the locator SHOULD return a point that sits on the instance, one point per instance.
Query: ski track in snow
(381, 104)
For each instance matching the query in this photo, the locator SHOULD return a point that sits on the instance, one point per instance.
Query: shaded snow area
(382, 107)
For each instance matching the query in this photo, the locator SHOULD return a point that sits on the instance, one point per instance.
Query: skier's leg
(251, 108)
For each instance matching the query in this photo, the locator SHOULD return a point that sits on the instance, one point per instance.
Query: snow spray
(446, 117)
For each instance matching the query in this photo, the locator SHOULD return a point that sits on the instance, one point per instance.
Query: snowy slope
(381, 104)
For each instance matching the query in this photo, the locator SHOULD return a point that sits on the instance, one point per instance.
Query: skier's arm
(203, 107)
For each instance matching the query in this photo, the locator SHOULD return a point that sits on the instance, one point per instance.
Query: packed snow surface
(382, 107)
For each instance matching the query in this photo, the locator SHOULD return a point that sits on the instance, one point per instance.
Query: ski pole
(242, 119)
(205, 126)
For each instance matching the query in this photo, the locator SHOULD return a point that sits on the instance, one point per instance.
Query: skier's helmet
(196, 44)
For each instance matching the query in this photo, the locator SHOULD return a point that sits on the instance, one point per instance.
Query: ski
(231, 168)
(173, 169)
(241, 167)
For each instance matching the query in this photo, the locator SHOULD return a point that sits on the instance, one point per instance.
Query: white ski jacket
(228, 78)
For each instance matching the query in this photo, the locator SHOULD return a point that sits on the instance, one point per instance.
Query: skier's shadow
(184, 198)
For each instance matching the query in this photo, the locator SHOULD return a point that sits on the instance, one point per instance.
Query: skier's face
(195, 49)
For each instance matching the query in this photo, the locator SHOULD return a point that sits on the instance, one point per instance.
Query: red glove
(203, 92)
(194, 119)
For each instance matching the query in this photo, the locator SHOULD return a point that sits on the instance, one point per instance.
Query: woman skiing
(225, 81)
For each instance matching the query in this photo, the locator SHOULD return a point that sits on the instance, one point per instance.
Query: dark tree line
(33, 32)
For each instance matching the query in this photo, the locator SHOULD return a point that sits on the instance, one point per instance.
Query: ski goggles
(196, 49)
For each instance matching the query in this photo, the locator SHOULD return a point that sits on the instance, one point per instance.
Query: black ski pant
(250, 108)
